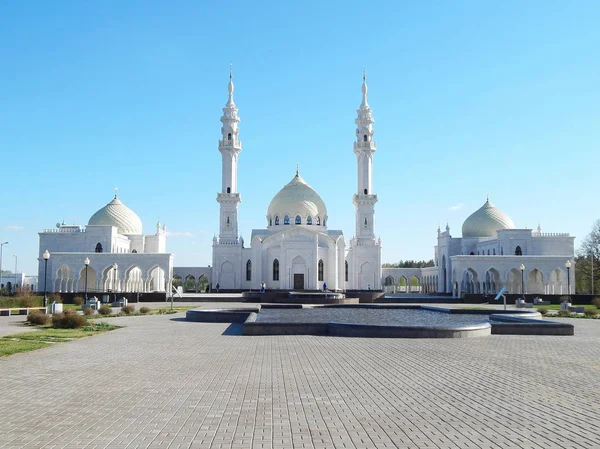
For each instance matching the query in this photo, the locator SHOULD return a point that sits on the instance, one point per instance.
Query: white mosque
(296, 250)
(111, 249)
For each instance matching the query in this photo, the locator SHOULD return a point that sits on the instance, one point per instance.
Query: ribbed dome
(485, 221)
(297, 198)
(117, 214)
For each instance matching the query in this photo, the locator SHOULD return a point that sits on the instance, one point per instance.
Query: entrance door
(298, 281)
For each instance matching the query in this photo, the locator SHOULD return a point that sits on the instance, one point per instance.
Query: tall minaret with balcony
(230, 147)
(364, 148)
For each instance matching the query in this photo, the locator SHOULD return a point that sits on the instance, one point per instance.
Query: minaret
(229, 146)
(364, 200)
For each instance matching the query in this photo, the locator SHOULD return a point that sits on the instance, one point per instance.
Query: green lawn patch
(29, 341)
(557, 306)
(163, 311)
(10, 347)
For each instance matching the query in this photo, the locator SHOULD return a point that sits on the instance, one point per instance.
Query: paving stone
(162, 382)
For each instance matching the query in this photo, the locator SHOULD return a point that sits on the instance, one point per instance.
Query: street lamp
(568, 267)
(115, 266)
(1, 245)
(46, 256)
(522, 268)
(86, 263)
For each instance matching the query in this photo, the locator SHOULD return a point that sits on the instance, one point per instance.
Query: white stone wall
(135, 272)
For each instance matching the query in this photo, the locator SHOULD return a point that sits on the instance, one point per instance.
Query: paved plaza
(162, 382)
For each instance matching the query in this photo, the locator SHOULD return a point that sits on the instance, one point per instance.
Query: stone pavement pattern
(162, 382)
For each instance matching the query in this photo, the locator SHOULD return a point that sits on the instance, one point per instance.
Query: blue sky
(469, 98)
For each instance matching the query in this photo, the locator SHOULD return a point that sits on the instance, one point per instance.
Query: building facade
(296, 250)
(121, 258)
(490, 255)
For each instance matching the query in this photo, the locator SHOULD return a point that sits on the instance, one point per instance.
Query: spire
(116, 190)
(230, 101)
(365, 89)
(297, 168)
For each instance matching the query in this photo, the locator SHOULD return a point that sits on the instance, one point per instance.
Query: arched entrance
(299, 273)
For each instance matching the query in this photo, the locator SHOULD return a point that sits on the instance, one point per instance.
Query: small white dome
(297, 198)
(485, 221)
(117, 214)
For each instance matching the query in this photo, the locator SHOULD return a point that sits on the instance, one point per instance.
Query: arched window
(365, 191)
(276, 220)
(488, 252)
(227, 221)
(366, 224)
(471, 253)
(365, 138)
(298, 219)
(518, 251)
(134, 251)
(324, 223)
(318, 221)
(320, 269)
(502, 251)
(98, 247)
(309, 220)
(229, 136)
(275, 270)
(494, 251)
(228, 189)
(270, 221)
(249, 270)
(346, 270)
(286, 220)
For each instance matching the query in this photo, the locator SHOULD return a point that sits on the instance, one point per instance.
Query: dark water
(380, 317)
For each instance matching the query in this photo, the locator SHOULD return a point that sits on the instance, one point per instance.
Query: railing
(550, 234)
(69, 229)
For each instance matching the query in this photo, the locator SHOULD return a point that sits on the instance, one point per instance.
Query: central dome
(297, 199)
(485, 221)
(118, 215)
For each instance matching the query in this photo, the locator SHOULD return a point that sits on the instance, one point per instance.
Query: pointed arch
(346, 271)
(321, 267)
(249, 270)
(286, 220)
(276, 270)
(518, 251)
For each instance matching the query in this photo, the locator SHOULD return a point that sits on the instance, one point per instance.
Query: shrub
(590, 312)
(26, 301)
(88, 311)
(38, 318)
(127, 309)
(596, 301)
(78, 300)
(543, 310)
(23, 292)
(564, 313)
(144, 309)
(105, 309)
(54, 297)
(69, 319)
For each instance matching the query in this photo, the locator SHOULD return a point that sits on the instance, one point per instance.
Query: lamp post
(1, 245)
(46, 256)
(86, 263)
(115, 266)
(568, 267)
(522, 268)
